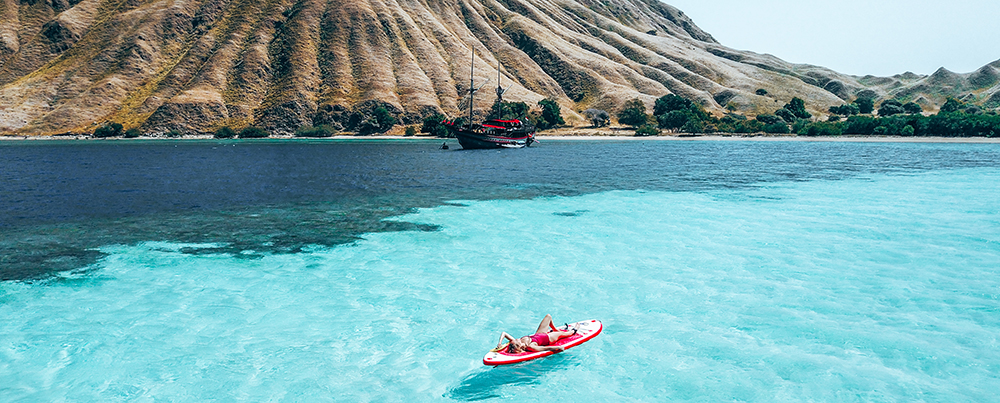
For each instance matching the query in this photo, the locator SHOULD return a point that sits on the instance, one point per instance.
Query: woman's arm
(504, 336)
(535, 347)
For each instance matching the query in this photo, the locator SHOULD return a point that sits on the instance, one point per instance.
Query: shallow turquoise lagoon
(883, 287)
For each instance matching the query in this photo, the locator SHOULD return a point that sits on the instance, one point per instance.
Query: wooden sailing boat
(495, 132)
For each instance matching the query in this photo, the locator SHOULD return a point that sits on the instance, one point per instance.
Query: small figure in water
(540, 341)
(444, 146)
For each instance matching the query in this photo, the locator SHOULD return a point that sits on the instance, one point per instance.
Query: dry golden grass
(197, 65)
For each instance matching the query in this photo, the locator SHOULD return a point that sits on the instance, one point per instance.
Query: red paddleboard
(586, 330)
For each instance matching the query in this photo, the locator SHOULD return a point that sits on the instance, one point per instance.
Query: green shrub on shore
(510, 110)
(735, 123)
(108, 130)
(768, 119)
(785, 115)
(669, 103)
(894, 119)
(865, 105)
(821, 129)
(776, 128)
(890, 107)
(799, 125)
(845, 110)
(912, 108)
(550, 117)
(647, 130)
(860, 125)
(798, 108)
(749, 126)
(132, 133)
(673, 120)
(315, 132)
(693, 126)
(951, 105)
(672, 112)
(410, 131)
(633, 113)
(954, 124)
(380, 121)
(253, 132)
(224, 132)
(433, 125)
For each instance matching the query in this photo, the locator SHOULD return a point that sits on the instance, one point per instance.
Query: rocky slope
(196, 65)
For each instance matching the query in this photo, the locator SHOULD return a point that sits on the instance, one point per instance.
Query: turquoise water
(879, 287)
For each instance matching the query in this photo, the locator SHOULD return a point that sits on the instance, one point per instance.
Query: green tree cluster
(890, 107)
(676, 113)
(109, 130)
(225, 132)
(550, 116)
(957, 120)
(865, 105)
(253, 132)
(912, 108)
(821, 129)
(510, 110)
(434, 126)
(647, 130)
(793, 114)
(951, 105)
(845, 110)
(794, 110)
(672, 112)
(380, 121)
(633, 113)
(894, 119)
(669, 103)
(316, 131)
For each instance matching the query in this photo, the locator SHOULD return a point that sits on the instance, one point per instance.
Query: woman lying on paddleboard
(540, 341)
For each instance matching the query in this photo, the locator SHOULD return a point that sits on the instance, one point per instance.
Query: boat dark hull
(473, 140)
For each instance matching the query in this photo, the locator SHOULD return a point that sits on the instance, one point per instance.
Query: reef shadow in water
(60, 201)
(488, 382)
(576, 213)
(39, 253)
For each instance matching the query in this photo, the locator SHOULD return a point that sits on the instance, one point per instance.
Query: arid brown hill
(196, 65)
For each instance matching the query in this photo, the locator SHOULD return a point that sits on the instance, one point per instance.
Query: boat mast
(499, 94)
(472, 88)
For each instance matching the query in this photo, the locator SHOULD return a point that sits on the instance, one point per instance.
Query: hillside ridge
(192, 66)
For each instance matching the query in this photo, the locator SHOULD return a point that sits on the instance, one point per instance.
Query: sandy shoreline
(565, 135)
(859, 139)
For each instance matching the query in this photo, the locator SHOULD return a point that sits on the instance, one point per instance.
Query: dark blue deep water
(60, 200)
(750, 271)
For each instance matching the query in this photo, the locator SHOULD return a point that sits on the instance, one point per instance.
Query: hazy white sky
(879, 37)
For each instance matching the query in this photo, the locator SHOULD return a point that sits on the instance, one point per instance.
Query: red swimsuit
(541, 338)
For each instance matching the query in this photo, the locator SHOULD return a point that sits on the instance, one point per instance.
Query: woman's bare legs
(555, 336)
(545, 325)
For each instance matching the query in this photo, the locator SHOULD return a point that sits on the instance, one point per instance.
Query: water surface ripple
(61, 200)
